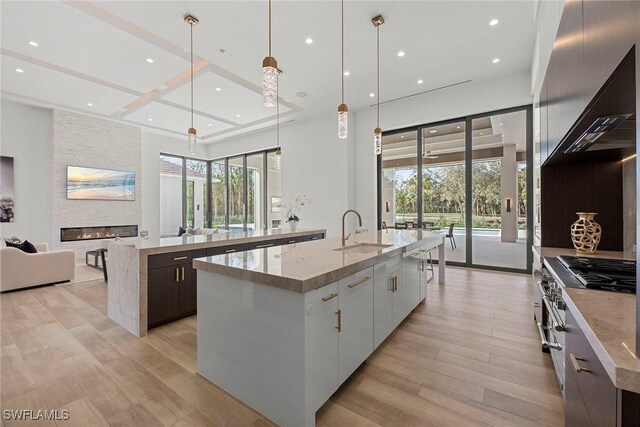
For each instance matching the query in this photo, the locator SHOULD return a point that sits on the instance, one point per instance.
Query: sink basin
(363, 248)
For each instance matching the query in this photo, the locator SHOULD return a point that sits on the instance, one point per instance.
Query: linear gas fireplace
(73, 234)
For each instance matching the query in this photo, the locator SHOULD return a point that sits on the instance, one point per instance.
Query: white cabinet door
(356, 329)
(399, 310)
(382, 308)
(412, 280)
(322, 357)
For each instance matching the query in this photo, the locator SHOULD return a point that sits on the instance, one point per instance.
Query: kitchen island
(152, 281)
(281, 328)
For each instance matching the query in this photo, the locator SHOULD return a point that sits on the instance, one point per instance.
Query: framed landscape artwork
(276, 204)
(7, 189)
(100, 184)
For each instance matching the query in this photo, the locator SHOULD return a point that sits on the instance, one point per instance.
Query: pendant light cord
(191, 75)
(278, 109)
(342, 47)
(269, 27)
(378, 66)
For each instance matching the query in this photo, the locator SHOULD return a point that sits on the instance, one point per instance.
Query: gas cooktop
(600, 273)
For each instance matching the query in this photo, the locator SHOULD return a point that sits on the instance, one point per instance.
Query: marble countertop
(183, 243)
(554, 252)
(303, 267)
(608, 320)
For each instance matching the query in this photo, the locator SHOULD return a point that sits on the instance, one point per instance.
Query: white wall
(27, 137)
(472, 98)
(314, 162)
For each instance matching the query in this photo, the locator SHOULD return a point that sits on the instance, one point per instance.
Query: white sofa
(19, 269)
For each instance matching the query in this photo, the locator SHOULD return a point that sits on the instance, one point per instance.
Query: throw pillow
(181, 231)
(25, 246)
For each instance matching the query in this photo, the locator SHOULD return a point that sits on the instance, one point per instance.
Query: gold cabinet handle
(329, 297)
(182, 273)
(228, 251)
(391, 281)
(339, 326)
(178, 258)
(359, 282)
(576, 365)
(292, 241)
(266, 245)
(177, 274)
(421, 267)
(315, 238)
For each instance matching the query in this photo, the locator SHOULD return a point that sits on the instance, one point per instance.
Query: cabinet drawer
(322, 298)
(593, 382)
(221, 250)
(174, 258)
(298, 239)
(260, 245)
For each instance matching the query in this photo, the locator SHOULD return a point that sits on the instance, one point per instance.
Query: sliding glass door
(472, 186)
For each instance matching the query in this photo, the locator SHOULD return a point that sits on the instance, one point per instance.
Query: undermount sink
(363, 248)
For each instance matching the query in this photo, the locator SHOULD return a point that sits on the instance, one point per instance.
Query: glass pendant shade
(192, 140)
(377, 140)
(278, 156)
(270, 81)
(343, 121)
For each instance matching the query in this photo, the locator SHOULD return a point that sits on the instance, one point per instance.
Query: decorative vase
(293, 225)
(586, 233)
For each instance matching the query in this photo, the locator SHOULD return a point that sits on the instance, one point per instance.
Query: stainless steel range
(573, 272)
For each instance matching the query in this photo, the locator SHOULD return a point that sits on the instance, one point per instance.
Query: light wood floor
(470, 356)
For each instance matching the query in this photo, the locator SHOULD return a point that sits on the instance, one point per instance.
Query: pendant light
(278, 149)
(270, 74)
(377, 132)
(192, 21)
(343, 110)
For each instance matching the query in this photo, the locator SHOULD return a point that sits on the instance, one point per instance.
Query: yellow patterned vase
(586, 233)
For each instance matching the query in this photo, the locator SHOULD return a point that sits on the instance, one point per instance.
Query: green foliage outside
(444, 195)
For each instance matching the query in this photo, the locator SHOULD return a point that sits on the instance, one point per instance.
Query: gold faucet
(344, 239)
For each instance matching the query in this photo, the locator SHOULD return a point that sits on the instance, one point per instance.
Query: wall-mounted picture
(276, 204)
(7, 189)
(100, 184)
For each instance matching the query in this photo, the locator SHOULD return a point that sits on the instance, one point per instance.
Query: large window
(471, 186)
(236, 193)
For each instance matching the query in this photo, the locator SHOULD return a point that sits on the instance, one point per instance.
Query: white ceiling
(95, 52)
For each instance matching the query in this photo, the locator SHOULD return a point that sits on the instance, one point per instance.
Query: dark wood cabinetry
(591, 399)
(172, 282)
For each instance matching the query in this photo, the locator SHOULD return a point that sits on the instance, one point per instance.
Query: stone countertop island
(129, 262)
(281, 328)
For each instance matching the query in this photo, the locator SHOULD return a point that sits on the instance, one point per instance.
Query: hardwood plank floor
(469, 356)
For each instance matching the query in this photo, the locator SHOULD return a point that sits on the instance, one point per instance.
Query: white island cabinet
(282, 328)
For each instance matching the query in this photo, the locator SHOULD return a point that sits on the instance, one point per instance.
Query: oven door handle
(545, 342)
(551, 311)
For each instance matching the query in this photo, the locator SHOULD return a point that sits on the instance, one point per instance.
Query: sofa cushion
(25, 246)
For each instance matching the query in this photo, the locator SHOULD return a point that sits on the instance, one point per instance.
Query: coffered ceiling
(129, 60)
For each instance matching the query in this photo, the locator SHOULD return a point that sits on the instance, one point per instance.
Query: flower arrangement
(292, 210)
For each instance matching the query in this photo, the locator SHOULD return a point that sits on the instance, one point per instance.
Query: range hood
(597, 130)
(606, 129)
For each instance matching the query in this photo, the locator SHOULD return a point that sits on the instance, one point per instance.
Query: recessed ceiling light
(237, 115)
(401, 53)
(33, 43)
(420, 82)
(210, 124)
(309, 40)
(150, 119)
(89, 104)
(301, 94)
(222, 51)
(347, 73)
(19, 70)
(372, 94)
(457, 127)
(433, 131)
(402, 136)
(218, 89)
(496, 60)
(501, 124)
(493, 22)
(150, 60)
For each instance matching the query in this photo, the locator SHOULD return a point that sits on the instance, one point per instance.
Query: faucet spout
(344, 239)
